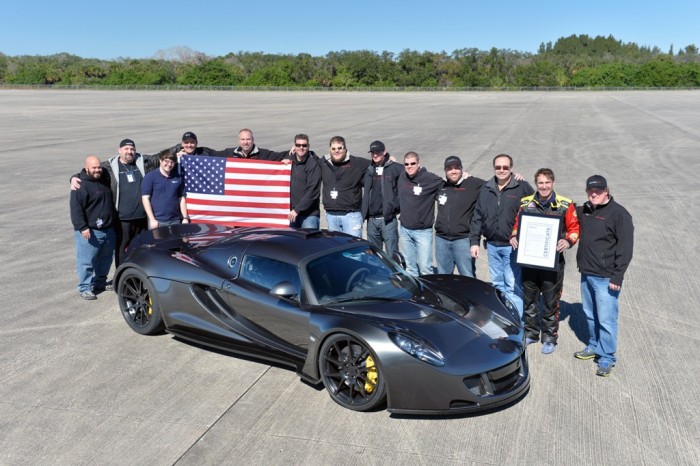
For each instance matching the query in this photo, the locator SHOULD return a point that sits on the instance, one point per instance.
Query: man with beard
(455, 205)
(342, 176)
(92, 214)
(126, 171)
(380, 202)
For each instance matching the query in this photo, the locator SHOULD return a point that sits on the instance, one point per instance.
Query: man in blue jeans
(604, 253)
(417, 188)
(456, 201)
(92, 214)
(494, 216)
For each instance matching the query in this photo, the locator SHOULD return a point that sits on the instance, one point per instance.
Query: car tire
(351, 373)
(138, 303)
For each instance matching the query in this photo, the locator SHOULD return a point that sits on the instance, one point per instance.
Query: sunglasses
(501, 167)
(301, 145)
(410, 164)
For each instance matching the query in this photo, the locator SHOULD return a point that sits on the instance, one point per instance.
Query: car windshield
(360, 273)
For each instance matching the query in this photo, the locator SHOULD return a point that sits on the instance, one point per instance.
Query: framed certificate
(538, 235)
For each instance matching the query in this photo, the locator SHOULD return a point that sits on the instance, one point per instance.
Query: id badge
(334, 194)
(442, 199)
(99, 223)
(417, 190)
(130, 177)
(380, 170)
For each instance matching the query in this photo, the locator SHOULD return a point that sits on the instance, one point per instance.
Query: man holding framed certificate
(546, 225)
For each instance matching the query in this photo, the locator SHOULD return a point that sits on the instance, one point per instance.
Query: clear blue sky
(139, 29)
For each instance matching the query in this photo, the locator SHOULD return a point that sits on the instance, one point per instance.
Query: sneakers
(548, 348)
(529, 341)
(604, 369)
(88, 295)
(584, 354)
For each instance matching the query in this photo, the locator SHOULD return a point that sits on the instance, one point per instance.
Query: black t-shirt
(130, 205)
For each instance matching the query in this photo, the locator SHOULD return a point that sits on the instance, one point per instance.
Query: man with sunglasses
(305, 185)
(342, 175)
(494, 216)
(604, 253)
(417, 189)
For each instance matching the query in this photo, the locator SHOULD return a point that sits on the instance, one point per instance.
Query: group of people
(404, 208)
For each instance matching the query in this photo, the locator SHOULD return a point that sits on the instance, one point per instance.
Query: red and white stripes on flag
(237, 192)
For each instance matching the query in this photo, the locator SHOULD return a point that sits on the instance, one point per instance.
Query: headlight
(418, 348)
(508, 304)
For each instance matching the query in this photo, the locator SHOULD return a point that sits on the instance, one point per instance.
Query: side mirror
(284, 290)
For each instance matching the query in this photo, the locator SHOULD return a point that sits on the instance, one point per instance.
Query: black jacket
(305, 189)
(387, 183)
(345, 179)
(606, 242)
(256, 153)
(91, 206)
(417, 199)
(455, 207)
(495, 211)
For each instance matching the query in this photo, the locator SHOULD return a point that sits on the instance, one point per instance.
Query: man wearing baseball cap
(380, 204)
(456, 201)
(604, 253)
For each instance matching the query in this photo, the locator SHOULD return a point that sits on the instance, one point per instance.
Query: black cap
(376, 146)
(596, 182)
(127, 142)
(453, 160)
(189, 135)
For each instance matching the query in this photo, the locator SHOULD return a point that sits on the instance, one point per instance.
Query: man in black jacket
(604, 253)
(417, 190)
(247, 149)
(494, 216)
(380, 204)
(342, 176)
(456, 201)
(305, 185)
(92, 214)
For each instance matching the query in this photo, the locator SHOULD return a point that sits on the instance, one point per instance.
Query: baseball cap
(189, 135)
(376, 146)
(127, 142)
(596, 182)
(453, 160)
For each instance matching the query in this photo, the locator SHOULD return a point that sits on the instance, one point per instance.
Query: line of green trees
(577, 60)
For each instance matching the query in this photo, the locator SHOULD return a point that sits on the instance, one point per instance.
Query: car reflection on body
(338, 311)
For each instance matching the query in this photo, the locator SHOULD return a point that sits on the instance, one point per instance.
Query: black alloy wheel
(351, 373)
(138, 303)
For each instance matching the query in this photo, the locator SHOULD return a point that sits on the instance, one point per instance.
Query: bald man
(92, 213)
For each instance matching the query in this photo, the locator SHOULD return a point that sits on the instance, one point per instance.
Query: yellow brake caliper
(372, 374)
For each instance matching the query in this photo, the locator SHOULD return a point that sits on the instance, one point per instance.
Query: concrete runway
(77, 386)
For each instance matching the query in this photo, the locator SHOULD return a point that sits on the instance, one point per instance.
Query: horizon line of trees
(574, 61)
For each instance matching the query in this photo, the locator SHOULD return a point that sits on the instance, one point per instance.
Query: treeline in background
(574, 61)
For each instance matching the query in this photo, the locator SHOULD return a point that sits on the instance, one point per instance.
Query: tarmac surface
(77, 386)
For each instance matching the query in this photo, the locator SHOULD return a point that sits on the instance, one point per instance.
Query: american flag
(237, 192)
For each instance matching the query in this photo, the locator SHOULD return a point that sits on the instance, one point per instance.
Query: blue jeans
(311, 222)
(382, 234)
(505, 273)
(600, 305)
(94, 258)
(350, 223)
(417, 248)
(451, 253)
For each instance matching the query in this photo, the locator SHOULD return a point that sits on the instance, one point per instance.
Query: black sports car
(334, 308)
